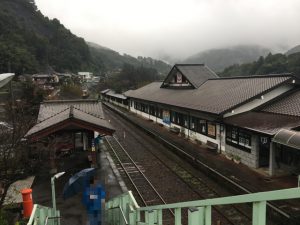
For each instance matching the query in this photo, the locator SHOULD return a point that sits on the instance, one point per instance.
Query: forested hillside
(271, 64)
(31, 42)
(110, 60)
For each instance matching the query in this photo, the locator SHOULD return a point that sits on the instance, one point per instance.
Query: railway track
(225, 214)
(278, 214)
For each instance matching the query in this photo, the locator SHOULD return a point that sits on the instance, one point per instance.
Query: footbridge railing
(123, 210)
(42, 215)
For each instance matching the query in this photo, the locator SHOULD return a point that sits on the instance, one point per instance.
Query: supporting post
(259, 213)
(272, 159)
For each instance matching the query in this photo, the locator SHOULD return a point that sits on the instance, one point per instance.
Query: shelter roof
(64, 115)
(216, 96)
(105, 91)
(263, 122)
(50, 108)
(113, 94)
(289, 138)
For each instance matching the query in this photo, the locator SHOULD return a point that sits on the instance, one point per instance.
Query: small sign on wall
(166, 116)
(179, 78)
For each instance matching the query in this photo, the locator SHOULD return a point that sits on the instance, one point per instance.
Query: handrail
(41, 215)
(199, 212)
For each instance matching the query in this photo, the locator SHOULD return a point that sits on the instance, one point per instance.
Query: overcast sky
(178, 28)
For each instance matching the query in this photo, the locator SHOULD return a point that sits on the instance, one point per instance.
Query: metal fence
(123, 209)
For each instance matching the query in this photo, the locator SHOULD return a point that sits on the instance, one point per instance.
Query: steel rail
(141, 172)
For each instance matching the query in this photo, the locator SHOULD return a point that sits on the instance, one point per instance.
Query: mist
(177, 28)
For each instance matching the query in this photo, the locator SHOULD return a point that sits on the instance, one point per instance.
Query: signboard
(211, 129)
(166, 116)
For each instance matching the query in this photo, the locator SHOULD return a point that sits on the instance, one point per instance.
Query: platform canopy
(289, 138)
(68, 115)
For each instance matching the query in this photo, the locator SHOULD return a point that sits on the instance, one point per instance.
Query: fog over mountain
(179, 28)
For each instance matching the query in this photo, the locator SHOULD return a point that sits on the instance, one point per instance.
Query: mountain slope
(111, 60)
(271, 64)
(219, 59)
(293, 50)
(29, 41)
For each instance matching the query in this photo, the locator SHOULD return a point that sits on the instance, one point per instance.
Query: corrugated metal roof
(289, 138)
(50, 108)
(197, 74)
(263, 122)
(214, 96)
(288, 105)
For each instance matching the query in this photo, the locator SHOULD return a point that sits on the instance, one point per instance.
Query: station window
(202, 127)
(193, 123)
(239, 138)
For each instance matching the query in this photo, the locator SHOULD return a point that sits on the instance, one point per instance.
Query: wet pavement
(72, 210)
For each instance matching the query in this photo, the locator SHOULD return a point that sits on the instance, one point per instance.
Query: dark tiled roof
(50, 108)
(214, 96)
(263, 122)
(67, 114)
(197, 74)
(288, 105)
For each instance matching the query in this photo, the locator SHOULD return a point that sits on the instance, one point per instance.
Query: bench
(212, 145)
(175, 130)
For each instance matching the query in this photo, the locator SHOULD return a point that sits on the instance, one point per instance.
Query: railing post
(259, 213)
(151, 217)
(178, 216)
(207, 215)
(138, 216)
(132, 217)
(193, 216)
(159, 217)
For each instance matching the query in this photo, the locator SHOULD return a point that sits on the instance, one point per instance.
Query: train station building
(254, 119)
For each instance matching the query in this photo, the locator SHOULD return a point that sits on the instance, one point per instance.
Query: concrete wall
(249, 159)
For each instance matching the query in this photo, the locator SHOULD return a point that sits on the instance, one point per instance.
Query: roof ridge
(92, 114)
(189, 64)
(254, 76)
(54, 115)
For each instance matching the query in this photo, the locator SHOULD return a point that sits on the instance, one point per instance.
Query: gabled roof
(215, 96)
(196, 74)
(287, 105)
(61, 115)
(50, 108)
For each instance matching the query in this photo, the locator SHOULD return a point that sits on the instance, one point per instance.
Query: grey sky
(178, 28)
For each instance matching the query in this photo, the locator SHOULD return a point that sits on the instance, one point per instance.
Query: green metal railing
(124, 210)
(42, 215)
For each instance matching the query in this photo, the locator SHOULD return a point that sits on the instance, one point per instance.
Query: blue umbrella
(78, 182)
